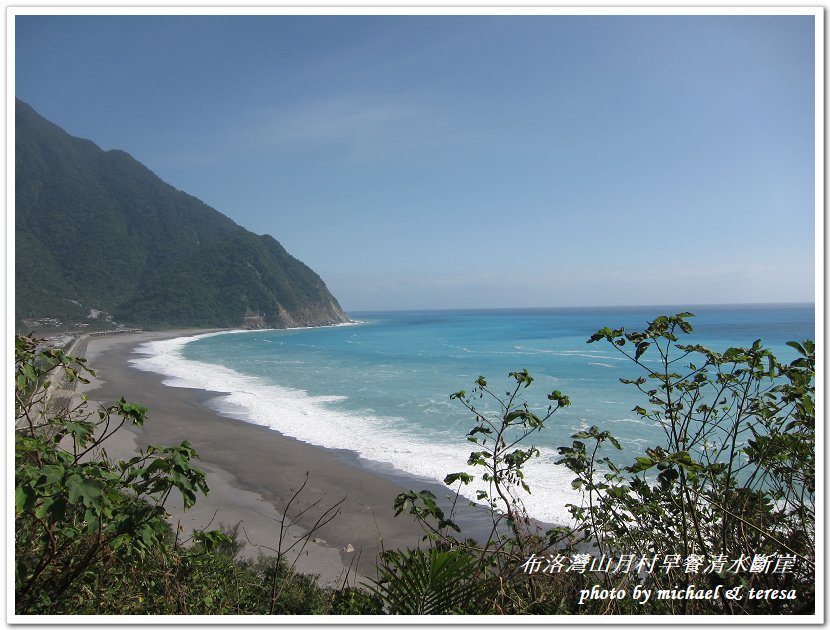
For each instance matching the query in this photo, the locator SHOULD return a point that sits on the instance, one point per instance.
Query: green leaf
(416, 582)
(29, 371)
(87, 491)
(49, 474)
(513, 415)
(212, 539)
(463, 477)
(797, 346)
(522, 377)
(132, 411)
(24, 498)
(642, 463)
(43, 509)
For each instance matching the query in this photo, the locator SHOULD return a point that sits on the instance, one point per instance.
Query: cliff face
(98, 231)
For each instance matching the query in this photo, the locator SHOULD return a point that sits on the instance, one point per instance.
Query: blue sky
(469, 161)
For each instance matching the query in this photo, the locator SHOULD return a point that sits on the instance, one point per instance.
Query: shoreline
(252, 470)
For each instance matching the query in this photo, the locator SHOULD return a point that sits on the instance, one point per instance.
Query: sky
(469, 161)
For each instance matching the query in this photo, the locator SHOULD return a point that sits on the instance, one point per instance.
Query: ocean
(381, 387)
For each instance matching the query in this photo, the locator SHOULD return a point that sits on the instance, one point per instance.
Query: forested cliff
(98, 231)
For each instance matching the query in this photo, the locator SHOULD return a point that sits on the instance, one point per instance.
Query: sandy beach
(253, 472)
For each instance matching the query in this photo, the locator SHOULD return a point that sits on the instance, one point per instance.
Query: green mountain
(98, 231)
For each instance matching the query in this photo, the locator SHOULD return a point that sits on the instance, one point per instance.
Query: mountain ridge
(98, 230)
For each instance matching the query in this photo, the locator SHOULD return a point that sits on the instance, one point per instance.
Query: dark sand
(253, 472)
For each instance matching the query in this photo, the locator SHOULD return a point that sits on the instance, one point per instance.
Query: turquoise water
(381, 387)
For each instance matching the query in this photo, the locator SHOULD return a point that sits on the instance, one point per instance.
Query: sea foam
(377, 438)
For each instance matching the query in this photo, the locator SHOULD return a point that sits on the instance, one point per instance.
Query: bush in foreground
(91, 534)
(718, 518)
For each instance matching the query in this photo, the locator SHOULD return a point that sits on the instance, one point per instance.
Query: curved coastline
(253, 470)
(375, 443)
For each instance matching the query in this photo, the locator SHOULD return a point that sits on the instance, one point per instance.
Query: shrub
(728, 499)
(91, 534)
(502, 425)
(725, 502)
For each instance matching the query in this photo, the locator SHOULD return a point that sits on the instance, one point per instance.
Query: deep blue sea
(381, 387)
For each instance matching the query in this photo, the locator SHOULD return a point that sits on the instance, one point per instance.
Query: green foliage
(160, 257)
(73, 505)
(417, 582)
(91, 534)
(423, 506)
(734, 477)
(501, 426)
(356, 601)
(497, 433)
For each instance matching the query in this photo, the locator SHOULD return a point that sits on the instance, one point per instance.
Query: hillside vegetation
(98, 230)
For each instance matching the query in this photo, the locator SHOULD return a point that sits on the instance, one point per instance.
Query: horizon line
(584, 307)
